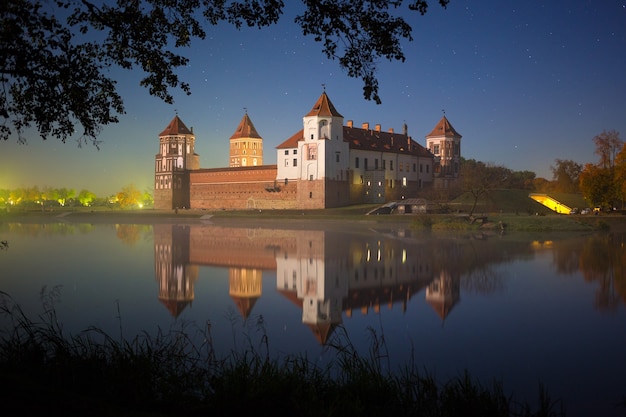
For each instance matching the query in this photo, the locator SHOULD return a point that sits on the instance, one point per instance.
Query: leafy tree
(55, 62)
(607, 146)
(620, 175)
(542, 185)
(522, 180)
(65, 194)
(147, 199)
(129, 196)
(566, 175)
(4, 195)
(86, 197)
(596, 184)
(602, 184)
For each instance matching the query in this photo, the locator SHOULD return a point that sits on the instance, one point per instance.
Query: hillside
(512, 201)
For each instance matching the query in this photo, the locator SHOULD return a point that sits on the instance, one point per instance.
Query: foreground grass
(45, 372)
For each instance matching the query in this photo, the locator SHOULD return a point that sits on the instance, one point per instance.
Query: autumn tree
(565, 175)
(56, 56)
(608, 145)
(597, 186)
(129, 196)
(602, 183)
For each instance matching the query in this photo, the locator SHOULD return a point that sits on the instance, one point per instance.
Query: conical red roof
(324, 107)
(245, 129)
(444, 128)
(176, 127)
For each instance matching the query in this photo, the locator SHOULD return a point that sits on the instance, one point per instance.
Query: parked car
(573, 211)
(585, 211)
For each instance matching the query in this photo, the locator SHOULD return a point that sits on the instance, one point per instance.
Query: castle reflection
(327, 274)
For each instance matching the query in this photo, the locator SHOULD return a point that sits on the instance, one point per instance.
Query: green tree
(65, 194)
(86, 197)
(4, 196)
(55, 62)
(147, 199)
(566, 174)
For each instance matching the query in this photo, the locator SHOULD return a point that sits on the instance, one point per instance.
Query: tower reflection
(328, 274)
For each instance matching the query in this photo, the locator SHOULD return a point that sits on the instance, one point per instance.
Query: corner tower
(175, 159)
(246, 145)
(324, 158)
(444, 142)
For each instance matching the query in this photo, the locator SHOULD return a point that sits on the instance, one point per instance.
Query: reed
(46, 371)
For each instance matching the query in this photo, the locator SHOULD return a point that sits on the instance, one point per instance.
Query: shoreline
(327, 218)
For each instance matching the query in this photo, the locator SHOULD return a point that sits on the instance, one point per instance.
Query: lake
(523, 309)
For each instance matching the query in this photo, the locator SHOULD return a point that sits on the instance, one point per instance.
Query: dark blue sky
(524, 82)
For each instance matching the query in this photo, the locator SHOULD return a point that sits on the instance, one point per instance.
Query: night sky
(523, 82)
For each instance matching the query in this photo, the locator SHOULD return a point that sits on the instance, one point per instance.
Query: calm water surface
(522, 309)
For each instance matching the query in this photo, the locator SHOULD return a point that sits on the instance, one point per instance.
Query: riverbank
(492, 222)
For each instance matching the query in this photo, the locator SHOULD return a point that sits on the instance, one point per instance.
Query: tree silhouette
(55, 55)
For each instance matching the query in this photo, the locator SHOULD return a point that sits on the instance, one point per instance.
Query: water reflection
(522, 307)
(331, 274)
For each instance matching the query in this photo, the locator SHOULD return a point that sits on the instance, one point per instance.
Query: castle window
(414, 168)
(295, 152)
(295, 162)
(356, 162)
(436, 149)
(421, 168)
(376, 163)
(365, 163)
(404, 182)
(391, 165)
(286, 162)
(337, 157)
(384, 164)
(287, 152)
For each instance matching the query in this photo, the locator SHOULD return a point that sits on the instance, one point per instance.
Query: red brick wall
(241, 188)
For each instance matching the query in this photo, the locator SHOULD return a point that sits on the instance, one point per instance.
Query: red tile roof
(324, 107)
(176, 127)
(292, 142)
(374, 140)
(370, 140)
(245, 129)
(444, 128)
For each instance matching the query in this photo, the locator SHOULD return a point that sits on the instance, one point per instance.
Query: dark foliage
(55, 56)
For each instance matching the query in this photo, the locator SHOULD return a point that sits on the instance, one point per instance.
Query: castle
(325, 164)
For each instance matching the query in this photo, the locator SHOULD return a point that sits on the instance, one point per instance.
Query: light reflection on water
(522, 309)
